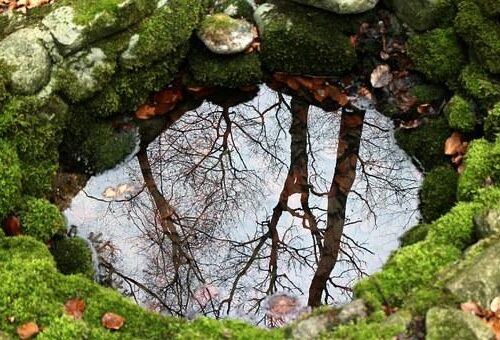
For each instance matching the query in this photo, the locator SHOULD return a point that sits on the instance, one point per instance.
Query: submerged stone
(444, 323)
(341, 6)
(29, 61)
(222, 34)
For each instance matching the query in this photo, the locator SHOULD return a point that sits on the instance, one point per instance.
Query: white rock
(341, 6)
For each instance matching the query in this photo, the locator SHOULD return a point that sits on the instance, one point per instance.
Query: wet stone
(341, 6)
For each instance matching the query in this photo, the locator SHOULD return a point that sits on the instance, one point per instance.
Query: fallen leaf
(410, 124)
(320, 94)
(453, 144)
(145, 112)
(495, 305)
(163, 108)
(335, 94)
(494, 325)
(75, 308)
(381, 76)
(28, 330)
(12, 226)
(112, 321)
(168, 96)
(471, 307)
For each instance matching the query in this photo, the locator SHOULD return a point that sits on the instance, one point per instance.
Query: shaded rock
(222, 34)
(341, 6)
(352, 311)
(422, 15)
(28, 61)
(478, 277)
(487, 223)
(69, 35)
(235, 8)
(311, 327)
(444, 323)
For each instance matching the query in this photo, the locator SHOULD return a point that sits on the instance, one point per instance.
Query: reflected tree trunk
(351, 127)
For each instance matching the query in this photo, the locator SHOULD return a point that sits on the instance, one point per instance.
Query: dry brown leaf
(12, 226)
(28, 330)
(293, 83)
(172, 95)
(145, 112)
(163, 108)
(494, 325)
(320, 94)
(471, 307)
(453, 144)
(335, 94)
(75, 307)
(381, 76)
(112, 321)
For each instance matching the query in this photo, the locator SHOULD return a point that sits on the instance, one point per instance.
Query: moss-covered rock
(233, 71)
(437, 54)
(444, 323)
(300, 39)
(41, 219)
(235, 8)
(427, 93)
(460, 114)
(414, 235)
(480, 85)
(73, 256)
(480, 33)
(426, 143)
(438, 193)
(490, 8)
(10, 178)
(422, 15)
(482, 168)
(492, 123)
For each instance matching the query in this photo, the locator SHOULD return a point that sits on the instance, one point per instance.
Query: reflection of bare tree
(207, 171)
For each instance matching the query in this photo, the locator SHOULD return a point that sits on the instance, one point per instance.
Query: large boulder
(444, 323)
(341, 6)
(303, 40)
(222, 34)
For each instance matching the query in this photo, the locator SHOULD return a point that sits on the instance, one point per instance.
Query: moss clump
(422, 299)
(492, 123)
(409, 268)
(427, 93)
(73, 256)
(438, 193)
(10, 178)
(32, 290)
(414, 235)
(480, 33)
(163, 33)
(489, 7)
(303, 40)
(382, 330)
(480, 85)
(423, 15)
(235, 8)
(482, 168)
(233, 71)
(437, 54)
(460, 114)
(426, 143)
(104, 148)
(41, 219)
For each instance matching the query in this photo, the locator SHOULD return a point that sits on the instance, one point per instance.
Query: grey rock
(478, 277)
(65, 31)
(260, 15)
(28, 59)
(341, 6)
(444, 323)
(311, 327)
(487, 223)
(222, 34)
(352, 311)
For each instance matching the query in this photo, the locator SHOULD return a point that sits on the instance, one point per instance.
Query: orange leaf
(471, 307)
(320, 94)
(163, 108)
(168, 96)
(75, 308)
(145, 112)
(453, 144)
(28, 330)
(12, 226)
(335, 94)
(112, 321)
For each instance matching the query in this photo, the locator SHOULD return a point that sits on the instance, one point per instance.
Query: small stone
(222, 34)
(341, 6)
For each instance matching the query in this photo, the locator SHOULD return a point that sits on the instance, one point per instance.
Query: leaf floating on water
(28, 330)
(112, 321)
(109, 192)
(381, 76)
(75, 308)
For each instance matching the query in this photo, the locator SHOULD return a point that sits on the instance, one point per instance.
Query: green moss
(73, 256)
(438, 193)
(41, 219)
(427, 93)
(163, 33)
(455, 228)
(235, 8)
(4, 80)
(233, 71)
(408, 269)
(480, 85)
(482, 34)
(367, 330)
(303, 40)
(437, 54)
(460, 114)
(424, 298)
(492, 123)
(426, 143)
(489, 7)
(10, 178)
(104, 148)
(423, 15)
(482, 165)
(414, 235)
(33, 291)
